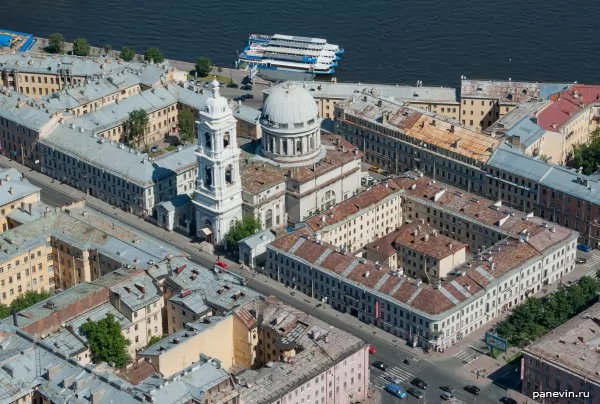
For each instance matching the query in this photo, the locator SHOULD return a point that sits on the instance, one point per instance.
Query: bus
(395, 390)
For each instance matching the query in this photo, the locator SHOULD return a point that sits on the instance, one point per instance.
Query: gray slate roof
(14, 188)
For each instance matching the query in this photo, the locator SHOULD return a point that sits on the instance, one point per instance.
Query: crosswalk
(592, 261)
(402, 372)
(466, 355)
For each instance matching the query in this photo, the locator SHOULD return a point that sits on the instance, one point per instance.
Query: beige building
(359, 220)
(15, 192)
(383, 252)
(248, 121)
(483, 102)
(439, 100)
(424, 253)
(212, 336)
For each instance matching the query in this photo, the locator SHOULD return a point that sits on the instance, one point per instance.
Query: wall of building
(19, 203)
(245, 344)
(178, 316)
(179, 356)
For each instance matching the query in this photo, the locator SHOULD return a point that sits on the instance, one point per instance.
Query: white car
(392, 379)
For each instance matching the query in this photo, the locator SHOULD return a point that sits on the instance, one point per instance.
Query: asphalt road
(436, 373)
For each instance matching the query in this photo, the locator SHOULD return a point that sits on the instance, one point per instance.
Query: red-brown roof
(566, 104)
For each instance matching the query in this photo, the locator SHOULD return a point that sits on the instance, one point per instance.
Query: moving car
(447, 389)
(372, 349)
(246, 87)
(392, 379)
(419, 383)
(395, 390)
(222, 264)
(415, 393)
(380, 365)
(508, 400)
(580, 261)
(248, 96)
(583, 247)
(447, 396)
(472, 389)
(232, 85)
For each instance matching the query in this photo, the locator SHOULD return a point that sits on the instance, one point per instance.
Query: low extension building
(516, 255)
(563, 365)
(439, 100)
(16, 192)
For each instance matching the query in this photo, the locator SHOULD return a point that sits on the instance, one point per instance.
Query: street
(438, 372)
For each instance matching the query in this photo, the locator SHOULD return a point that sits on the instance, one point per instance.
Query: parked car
(207, 84)
(472, 389)
(447, 389)
(580, 261)
(154, 149)
(419, 383)
(415, 392)
(392, 379)
(222, 264)
(446, 396)
(233, 85)
(508, 400)
(248, 96)
(372, 350)
(583, 247)
(380, 365)
(246, 87)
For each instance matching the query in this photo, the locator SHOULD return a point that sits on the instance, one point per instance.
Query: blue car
(395, 390)
(583, 247)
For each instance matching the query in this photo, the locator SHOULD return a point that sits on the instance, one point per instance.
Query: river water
(386, 41)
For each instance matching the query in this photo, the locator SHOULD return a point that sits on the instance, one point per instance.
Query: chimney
(29, 208)
(516, 141)
(68, 381)
(11, 190)
(97, 396)
(53, 371)
(15, 318)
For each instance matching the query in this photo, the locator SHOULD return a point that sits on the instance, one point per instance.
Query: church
(294, 173)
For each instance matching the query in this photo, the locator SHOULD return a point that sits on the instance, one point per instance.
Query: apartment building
(564, 362)
(517, 254)
(15, 192)
(397, 137)
(359, 220)
(439, 100)
(39, 75)
(426, 254)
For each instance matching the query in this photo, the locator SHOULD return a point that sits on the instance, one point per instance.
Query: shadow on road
(507, 376)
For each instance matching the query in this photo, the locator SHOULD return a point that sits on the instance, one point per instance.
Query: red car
(222, 264)
(372, 349)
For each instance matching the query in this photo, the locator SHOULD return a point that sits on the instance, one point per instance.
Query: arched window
(269, 219)
(312, 143)
(272, 150)
(299, 146)
(208, 177)
(229, 175)
(226, 139)
(328, 200)
(231, 224)
(285, 147)
(207, 140)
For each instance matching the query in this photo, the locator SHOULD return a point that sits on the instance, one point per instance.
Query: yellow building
(440, 100)
(483, 102)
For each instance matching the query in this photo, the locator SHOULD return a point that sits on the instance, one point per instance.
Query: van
(396, 390)
(583, 247)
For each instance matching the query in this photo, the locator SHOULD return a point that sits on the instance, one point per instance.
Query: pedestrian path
(402, 373)
(465, 355)
(592, 262)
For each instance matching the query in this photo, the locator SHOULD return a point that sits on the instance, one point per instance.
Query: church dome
(290, 105)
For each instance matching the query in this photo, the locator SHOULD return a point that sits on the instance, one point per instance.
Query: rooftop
(528, 109)
(426, 128)
(427, 242)
(14, 186)
(245, 113)
(260, 238)
(340, 91)
(573, 345)
(506, 92)
(318, 348)
(22, 111)
(527, 131)
(567, 104)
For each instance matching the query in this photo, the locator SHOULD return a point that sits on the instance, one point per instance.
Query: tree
(135, 128)
(56, 43)
(586, 156)
(155, 55)
(81, 47)
(106, 342)
(107, 49)
(154, 340)
(203, 66)
(185, 125)
(28, 299)
(242, 229)
(127, 54)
